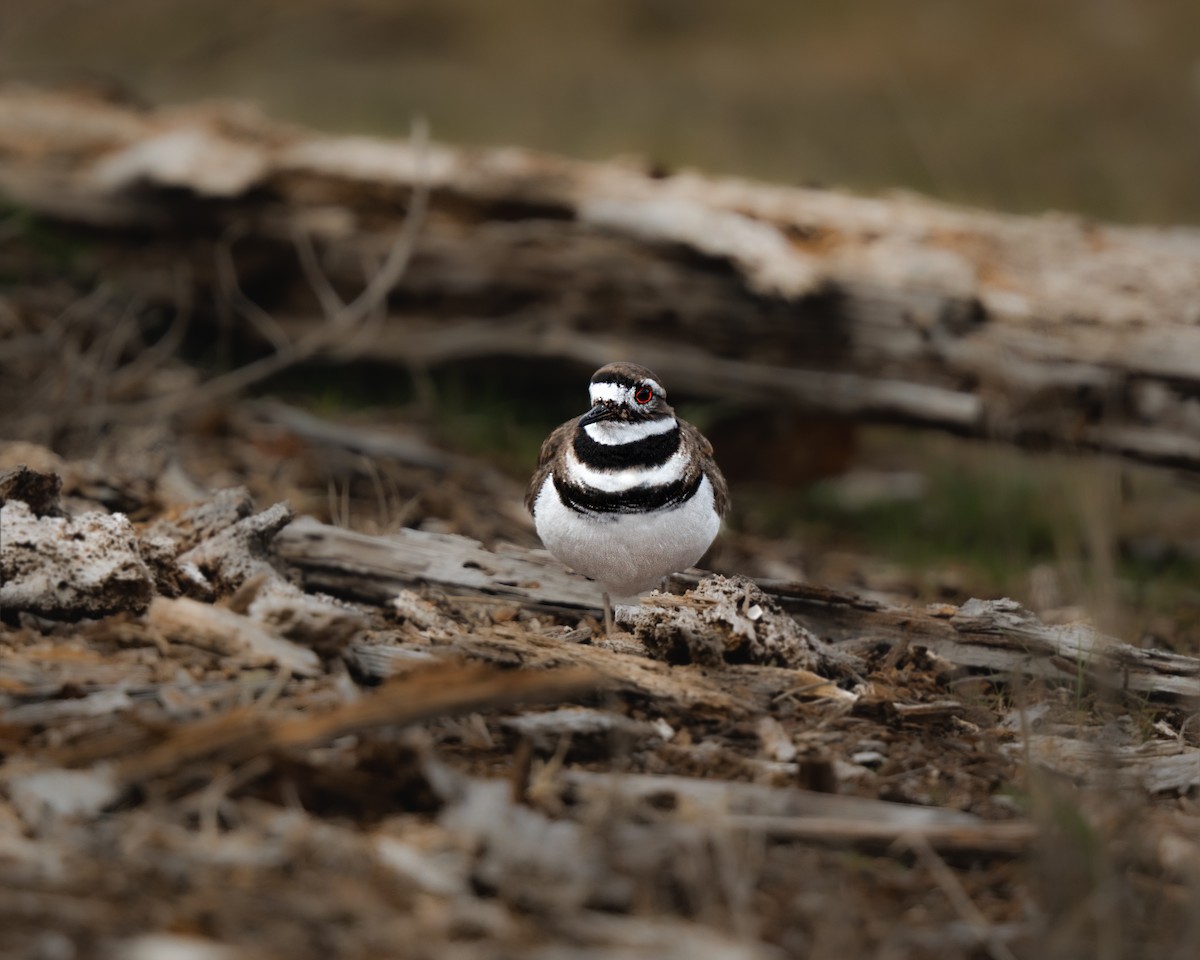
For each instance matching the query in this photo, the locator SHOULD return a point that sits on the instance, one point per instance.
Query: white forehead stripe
(608, 391)
(619, 394)
(612, 433)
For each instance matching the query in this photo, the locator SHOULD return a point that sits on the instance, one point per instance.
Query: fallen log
(1043, 330)
(994, 635)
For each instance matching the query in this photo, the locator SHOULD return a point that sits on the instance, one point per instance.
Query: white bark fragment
(84, 566)
(41, 796)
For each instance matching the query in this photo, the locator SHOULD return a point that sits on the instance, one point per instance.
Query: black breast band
(647, 452)
(584, 499)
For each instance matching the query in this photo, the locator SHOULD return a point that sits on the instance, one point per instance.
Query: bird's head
(626, 393)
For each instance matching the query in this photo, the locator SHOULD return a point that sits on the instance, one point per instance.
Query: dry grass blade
(441, 691)
(438, 692)
(958, 897)
(1008, 838)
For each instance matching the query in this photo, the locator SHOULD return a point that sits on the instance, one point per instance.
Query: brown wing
(709, 466)
(546, 458)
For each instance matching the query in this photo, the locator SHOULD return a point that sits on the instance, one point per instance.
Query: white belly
(627, 552)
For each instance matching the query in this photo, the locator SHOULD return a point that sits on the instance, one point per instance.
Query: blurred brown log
(1042, 330)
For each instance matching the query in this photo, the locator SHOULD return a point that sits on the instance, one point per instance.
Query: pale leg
(608, 615)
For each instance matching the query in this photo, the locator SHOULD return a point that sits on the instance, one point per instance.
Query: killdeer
(627, 493)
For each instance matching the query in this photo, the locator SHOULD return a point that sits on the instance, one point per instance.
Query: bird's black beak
(601, 411)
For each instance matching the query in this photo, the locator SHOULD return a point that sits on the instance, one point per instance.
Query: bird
(627, 493)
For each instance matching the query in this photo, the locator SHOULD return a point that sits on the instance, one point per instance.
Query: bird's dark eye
(644, 395)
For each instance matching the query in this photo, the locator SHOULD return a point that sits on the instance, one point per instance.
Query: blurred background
(1086, 106)
(1091, 106)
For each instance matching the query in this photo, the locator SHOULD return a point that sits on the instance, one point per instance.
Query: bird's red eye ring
(644, 395)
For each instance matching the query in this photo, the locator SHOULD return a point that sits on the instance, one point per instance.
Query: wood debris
(503, 762)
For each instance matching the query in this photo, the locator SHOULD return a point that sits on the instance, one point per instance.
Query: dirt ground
(281, 771)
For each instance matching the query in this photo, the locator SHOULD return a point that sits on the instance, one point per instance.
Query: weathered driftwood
(1047, 329)
(998, 635)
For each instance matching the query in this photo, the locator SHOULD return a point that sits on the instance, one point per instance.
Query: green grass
(480, 409)
(996, 525)
(42, 248)
(990, 514)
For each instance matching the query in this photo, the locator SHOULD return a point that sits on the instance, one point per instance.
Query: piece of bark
(376, 569)
(1156, 767)
(229, 634)
(187, 527)
(314, 621)
(222, 546)
(239, 551)
(684, 689)
(997, 635)
(167, 538)
(70, 567)
(1049, 330)
(380, 661)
